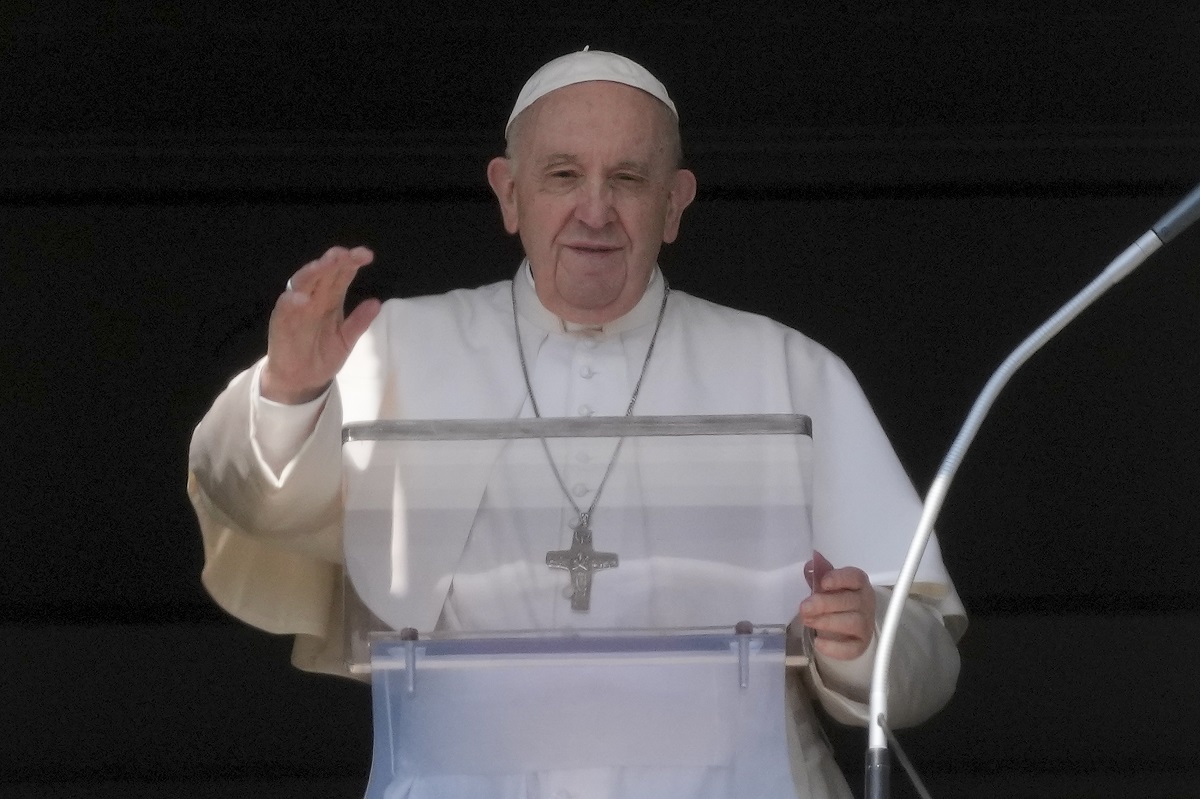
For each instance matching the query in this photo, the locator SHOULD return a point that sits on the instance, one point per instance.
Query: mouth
(585, 248)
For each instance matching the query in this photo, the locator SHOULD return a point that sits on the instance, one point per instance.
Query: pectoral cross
(581, 560)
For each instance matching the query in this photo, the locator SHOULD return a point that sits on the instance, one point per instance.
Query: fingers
(842, 633)
(359, 320)
(312, 305)
(834, 602)
(309, 337)
(816, 569)
(844, 579)
(841, 612)
(327, 278)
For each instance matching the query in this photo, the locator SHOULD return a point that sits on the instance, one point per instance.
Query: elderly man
(592, 184)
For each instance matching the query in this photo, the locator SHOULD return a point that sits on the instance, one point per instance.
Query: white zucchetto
(587, 65)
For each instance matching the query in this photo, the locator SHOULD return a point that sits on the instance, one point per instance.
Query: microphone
(1175, 221)
(1172, 223)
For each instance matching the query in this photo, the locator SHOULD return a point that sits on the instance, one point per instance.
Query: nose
(594, 204)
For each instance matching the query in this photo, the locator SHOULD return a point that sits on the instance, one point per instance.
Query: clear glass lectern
(546, 602)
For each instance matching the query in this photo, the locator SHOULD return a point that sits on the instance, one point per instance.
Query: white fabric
(587, 65)
(708, 530)
(280, 430)
(273, 536)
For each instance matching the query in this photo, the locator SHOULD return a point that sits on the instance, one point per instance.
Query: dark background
(915, 184)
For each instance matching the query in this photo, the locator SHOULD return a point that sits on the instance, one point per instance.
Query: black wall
(915, 184)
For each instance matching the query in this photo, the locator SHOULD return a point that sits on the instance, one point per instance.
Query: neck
(533, 310)
(658, 318)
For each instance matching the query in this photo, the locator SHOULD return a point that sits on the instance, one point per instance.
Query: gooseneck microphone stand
(1168, 227)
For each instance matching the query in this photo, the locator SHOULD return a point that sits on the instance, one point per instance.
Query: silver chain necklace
(582, 559)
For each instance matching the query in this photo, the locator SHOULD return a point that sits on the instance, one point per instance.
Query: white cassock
(266, 482)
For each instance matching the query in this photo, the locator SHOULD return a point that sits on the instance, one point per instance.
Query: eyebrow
(637, 166)
(558, 158)
(554, 159)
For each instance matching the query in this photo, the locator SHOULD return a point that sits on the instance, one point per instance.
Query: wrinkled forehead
(583, 67)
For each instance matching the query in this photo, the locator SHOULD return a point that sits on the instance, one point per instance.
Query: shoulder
(485, 308)
(743, 331)
(712, 313)
(488, 297)
(456, 321)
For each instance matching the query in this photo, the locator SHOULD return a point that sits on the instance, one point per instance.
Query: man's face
(594, 190)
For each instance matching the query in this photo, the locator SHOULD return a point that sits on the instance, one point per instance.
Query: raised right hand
(310, 336)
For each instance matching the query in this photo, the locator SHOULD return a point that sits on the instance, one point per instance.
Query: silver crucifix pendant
(581, 560)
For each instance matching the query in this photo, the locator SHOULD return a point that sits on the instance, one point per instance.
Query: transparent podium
(551, 607)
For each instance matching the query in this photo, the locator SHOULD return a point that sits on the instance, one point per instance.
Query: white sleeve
(272, 542)
(280, 430)
(922, 674)
(850, 678)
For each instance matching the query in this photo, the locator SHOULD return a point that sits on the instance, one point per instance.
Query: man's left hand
(841, 610)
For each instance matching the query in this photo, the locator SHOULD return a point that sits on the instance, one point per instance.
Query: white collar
(531, 308)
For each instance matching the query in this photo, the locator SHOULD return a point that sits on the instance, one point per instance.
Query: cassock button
(586, 372)
(583, 457)
(585, 410)
(579, 489)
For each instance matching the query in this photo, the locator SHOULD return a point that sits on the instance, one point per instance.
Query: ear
(500, 176)
(683, 191)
